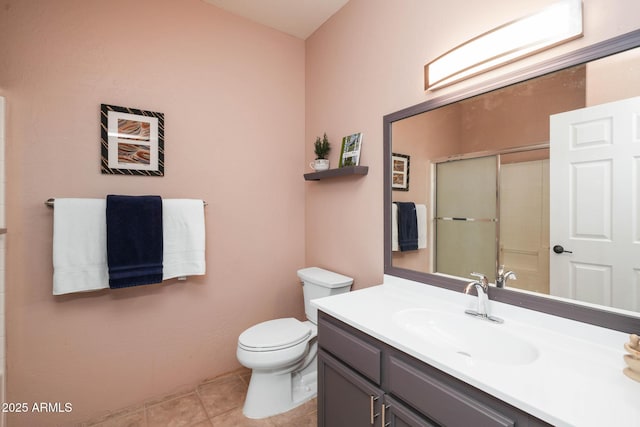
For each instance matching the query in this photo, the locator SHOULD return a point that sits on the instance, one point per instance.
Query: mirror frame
(575, 311)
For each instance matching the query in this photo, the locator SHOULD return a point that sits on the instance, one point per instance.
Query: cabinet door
(345, 399)
(398, 415)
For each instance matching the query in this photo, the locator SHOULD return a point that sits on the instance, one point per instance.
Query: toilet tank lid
(322, 277)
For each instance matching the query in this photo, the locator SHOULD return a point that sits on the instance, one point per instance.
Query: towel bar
(50, 202)
(447, 218)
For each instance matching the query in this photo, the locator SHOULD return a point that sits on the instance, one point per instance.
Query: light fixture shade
(556, 24)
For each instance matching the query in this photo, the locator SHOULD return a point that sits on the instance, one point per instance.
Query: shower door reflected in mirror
(524, 221)
(466, 216)
(492, 211)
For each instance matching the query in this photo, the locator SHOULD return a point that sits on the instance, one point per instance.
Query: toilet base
(271, 393)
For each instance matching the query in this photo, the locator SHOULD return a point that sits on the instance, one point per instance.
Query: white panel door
(594, 212)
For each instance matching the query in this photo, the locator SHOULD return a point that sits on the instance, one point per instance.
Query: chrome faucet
(482, 289)
(502, 277)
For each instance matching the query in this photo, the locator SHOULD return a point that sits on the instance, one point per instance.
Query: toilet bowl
(282, 352)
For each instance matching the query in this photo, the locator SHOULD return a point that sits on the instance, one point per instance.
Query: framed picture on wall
(132, 141)
(400, 172)
(350, 151)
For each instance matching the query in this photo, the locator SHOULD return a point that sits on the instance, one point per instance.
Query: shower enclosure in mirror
(487, 167)
(492, 212)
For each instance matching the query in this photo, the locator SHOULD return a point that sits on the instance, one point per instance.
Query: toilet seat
(274, 335)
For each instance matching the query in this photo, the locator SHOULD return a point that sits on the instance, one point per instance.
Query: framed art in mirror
(400, 172)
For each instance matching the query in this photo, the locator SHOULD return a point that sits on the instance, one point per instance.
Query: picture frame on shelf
(400, 171)
(132, 141)
(350, 151)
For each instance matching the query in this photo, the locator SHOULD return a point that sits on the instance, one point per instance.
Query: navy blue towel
(134, 240)
(407, 226)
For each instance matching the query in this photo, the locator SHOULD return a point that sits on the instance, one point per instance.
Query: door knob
(559, 249)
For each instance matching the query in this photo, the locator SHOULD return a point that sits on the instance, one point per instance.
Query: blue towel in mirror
(407, 226)
(134, 240)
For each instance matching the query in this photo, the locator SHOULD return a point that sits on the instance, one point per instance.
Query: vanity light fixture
(558, 23)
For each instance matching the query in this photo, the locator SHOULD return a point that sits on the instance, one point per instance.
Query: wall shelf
(334, 173)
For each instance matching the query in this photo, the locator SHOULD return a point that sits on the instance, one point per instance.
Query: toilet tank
(318, 283)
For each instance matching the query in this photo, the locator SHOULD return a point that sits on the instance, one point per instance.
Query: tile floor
(217, 402)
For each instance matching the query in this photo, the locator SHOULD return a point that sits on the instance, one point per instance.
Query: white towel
(79, 246)
(394, 228)
(421, 217)
(184, 238)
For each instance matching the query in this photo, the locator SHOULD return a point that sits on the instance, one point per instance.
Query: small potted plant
(321, 147)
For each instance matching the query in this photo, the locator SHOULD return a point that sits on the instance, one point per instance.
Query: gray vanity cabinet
(365, 382)
(348, 400)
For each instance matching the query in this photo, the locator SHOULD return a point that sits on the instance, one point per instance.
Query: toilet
(282, 353)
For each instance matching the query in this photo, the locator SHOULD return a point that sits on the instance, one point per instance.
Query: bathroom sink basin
(467, 336)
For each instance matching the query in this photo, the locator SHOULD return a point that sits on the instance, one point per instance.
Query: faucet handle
(483, 279)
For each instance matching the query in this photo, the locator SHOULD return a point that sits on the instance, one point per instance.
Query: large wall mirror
(516, 175)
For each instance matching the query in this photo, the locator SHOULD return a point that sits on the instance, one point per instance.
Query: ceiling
(300, 18)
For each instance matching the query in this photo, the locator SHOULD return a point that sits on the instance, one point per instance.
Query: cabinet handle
(384, 415)
(372, 412)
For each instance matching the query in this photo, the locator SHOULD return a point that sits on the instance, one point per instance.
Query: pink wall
(367, 61)
(613, 80)
(243, 105)
(233, 97)
(510, 117)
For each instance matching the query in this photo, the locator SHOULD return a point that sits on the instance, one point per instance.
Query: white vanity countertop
(577, 379)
